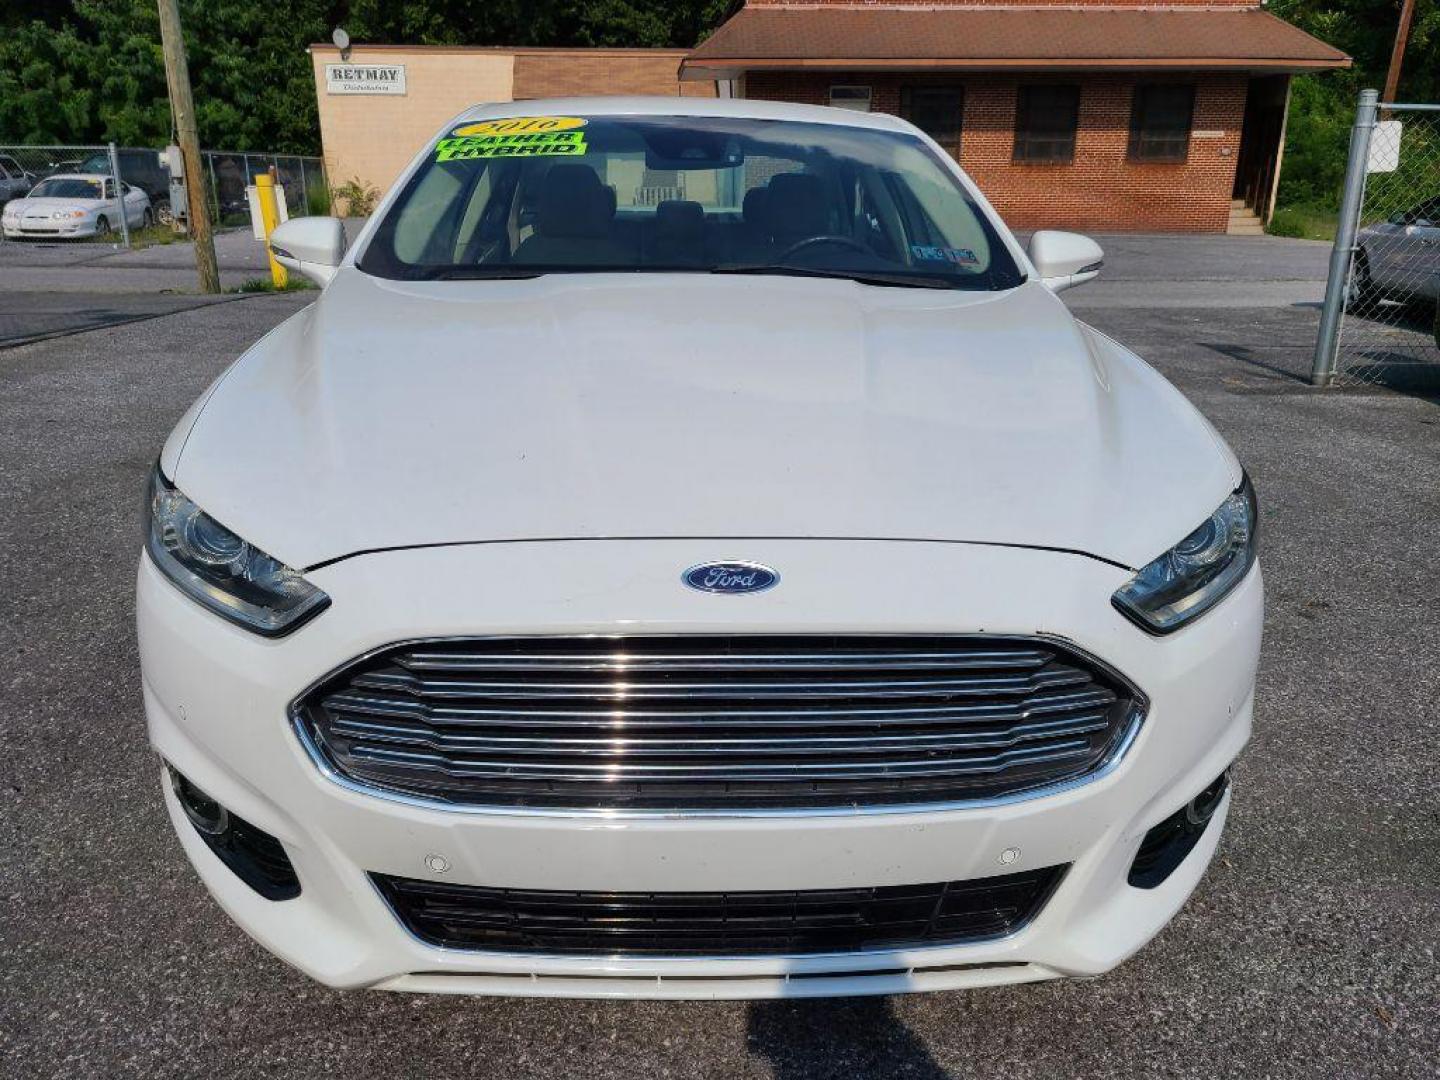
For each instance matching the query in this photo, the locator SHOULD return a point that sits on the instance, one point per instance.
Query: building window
(1160, 119)
(936, 110)
(856, 98)
(1046, 118)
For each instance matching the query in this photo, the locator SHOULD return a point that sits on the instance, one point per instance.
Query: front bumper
(216, 700)
(62, 228)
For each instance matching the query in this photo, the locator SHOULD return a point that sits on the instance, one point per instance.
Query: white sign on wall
(365, 78)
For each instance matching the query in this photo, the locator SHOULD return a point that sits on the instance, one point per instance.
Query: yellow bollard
(270, 217)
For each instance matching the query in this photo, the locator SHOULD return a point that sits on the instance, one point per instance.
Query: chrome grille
(695, 722)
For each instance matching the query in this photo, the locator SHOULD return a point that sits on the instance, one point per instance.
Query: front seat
(573, 217)
(751, 238)
(679, 233)
(796, 208)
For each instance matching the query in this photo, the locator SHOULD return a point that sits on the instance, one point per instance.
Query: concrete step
(1243, 220)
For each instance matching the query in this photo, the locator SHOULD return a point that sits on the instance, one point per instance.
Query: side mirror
(1064, 260)
(312, 246)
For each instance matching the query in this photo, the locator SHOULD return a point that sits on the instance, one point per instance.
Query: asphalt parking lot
(1308, 950)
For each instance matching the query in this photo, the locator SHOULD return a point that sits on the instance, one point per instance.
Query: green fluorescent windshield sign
(537, 136)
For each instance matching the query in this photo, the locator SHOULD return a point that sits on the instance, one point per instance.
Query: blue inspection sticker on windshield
(931, 253)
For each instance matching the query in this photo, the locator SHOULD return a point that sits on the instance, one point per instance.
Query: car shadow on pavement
(855, 1038)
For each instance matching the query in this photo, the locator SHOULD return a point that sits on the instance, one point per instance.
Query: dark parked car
(15, 181)
(143, 169)
(1399, 259)
(65, 165)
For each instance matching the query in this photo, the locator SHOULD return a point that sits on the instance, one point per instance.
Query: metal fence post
(119, 195)
(304, 186)
(1356, 168)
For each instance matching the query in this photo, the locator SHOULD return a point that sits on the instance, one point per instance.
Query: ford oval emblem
(732, 578)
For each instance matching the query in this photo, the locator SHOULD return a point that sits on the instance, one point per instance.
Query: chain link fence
(1380, 324)
(142, 206)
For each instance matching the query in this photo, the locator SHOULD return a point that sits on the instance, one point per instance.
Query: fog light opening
(253, 855)
(1168, 844)
(1202, 808)
(204, 813)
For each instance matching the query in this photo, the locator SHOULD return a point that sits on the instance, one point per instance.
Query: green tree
(92, 70)
(1323, 106)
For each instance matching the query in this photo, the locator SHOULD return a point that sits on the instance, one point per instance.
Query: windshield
(533, 195)
(68, 188)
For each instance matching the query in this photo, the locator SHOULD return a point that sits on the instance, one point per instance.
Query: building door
(938, 110)
(1261, 140)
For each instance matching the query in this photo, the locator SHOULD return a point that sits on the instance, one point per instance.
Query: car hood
(394, 414)
(49, 204)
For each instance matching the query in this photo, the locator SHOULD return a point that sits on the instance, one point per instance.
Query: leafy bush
(1317, 142)
(356, 199)
(1286, 221)
(317, 197)
(1304, 222)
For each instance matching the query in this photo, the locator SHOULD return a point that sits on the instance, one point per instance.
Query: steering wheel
(828, 238)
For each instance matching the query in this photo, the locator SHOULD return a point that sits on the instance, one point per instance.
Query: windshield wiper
(864, 277)
(471, 273)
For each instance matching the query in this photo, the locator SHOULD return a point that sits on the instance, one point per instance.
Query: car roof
(744, 108)
(79, 176)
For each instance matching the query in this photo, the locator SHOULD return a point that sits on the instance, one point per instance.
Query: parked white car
(72, 205)
(689, 550)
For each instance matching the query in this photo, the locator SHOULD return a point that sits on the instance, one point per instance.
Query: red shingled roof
(896, 38)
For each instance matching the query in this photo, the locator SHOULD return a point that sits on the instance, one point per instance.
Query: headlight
(58, 214)
(221, 571)
(1194, 575)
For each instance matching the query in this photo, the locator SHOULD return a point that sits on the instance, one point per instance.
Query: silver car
(1399, 259)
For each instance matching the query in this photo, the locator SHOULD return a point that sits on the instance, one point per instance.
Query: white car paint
(312, 246)
(67, 217)
(544, 457)
(908, 414)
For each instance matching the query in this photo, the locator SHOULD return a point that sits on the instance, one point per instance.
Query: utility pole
(182, 106)
(1397, 55)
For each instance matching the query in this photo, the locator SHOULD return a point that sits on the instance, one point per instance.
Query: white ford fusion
(689, 550)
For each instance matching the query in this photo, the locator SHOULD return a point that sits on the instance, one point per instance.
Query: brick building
(1087, 114)
(380, 103)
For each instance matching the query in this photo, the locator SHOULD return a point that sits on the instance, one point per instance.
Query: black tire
(147, 219)
(163, 213)
(1362, 291)
(102, 228)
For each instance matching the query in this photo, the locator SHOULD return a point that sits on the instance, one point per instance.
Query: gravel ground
(1308, 950)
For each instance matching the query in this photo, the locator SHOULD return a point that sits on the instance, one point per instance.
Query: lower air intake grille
(717, 924)
(722, 722)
